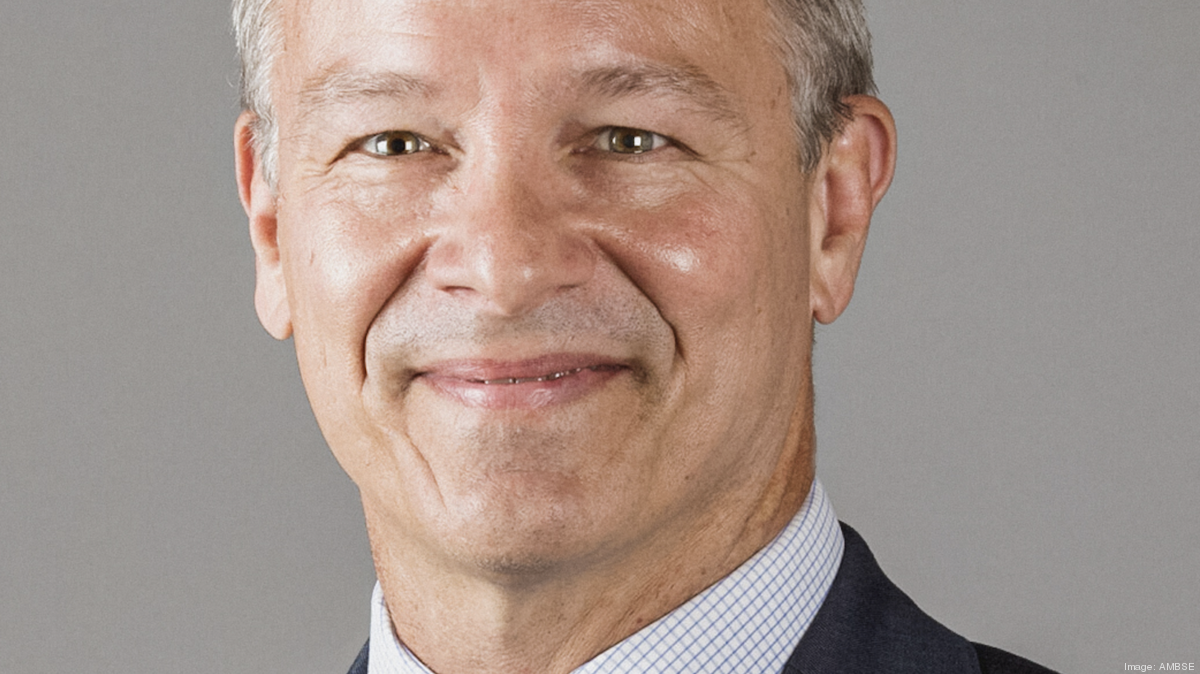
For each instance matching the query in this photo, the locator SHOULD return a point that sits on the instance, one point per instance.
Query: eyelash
(629, 141)
(412, 144)
(608, 139)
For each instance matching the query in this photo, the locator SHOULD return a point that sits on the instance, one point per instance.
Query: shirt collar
(750, 620)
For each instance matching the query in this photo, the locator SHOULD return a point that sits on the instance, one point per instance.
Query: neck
(470, 618)
(458, 619)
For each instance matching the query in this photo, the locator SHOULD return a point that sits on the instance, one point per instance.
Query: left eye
(395, 143)
(624, 140)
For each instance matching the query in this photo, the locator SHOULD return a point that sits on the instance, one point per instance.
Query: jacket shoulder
(995, 661)
(867, 624)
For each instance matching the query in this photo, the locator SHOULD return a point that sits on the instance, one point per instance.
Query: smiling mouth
(523, 384)
(509, 381)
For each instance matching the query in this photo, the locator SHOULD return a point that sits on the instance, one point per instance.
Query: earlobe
(259, 202)
(854, 174)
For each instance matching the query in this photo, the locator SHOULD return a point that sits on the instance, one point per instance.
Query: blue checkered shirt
(749, 621)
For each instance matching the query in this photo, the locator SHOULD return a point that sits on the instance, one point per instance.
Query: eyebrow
(333, 87)
(646, 79)
(338, 86)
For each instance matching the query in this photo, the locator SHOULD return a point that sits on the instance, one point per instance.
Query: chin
(516, 555)
(530, 525)
(515, 566)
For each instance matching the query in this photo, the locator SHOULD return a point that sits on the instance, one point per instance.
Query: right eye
(625, 140)
(395, 144)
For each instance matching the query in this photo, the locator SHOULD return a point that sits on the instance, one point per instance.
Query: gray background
(1008, 412)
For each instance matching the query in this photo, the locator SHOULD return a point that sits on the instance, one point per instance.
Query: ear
(259, 200)
(853, 176)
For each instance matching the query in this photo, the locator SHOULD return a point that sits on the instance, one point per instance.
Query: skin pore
(551, 270)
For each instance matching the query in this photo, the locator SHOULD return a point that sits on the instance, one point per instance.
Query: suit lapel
(866, 624)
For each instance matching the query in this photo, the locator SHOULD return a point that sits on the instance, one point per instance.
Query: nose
(508, 242)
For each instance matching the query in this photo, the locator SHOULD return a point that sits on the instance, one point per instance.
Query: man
(551, 268)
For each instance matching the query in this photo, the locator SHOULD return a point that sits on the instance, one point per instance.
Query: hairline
(818, 111)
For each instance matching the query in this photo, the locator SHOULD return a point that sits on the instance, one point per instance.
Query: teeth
(525, 380)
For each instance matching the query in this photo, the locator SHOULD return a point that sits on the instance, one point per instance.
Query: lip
(524, 384)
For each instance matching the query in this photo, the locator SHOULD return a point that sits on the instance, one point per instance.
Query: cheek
(710, 262)
(344, 258)
(727, 273)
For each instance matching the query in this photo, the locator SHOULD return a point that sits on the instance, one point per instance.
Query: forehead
(728, 41)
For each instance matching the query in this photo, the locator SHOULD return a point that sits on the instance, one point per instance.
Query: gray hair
(827, 54)
(825, 46)
(258, 29)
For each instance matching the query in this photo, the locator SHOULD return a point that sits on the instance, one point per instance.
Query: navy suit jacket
(868, 626)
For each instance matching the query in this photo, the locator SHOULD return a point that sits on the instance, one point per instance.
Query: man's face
(546, 263)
